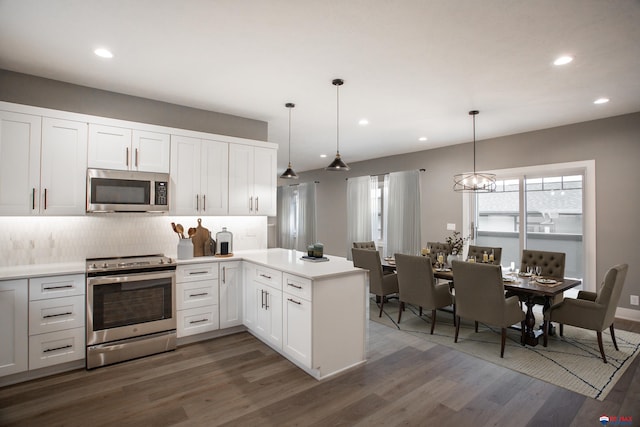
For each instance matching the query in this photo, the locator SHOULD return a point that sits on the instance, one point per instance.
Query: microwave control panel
(161, 193)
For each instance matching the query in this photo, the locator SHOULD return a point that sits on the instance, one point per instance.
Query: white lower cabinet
(197, 298)
(263, 303)
(296, 319)
(230, 294)
(14, 306)
(56, 320)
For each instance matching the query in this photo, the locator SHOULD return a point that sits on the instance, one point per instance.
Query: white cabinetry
(42, 165)
(230, 294)
(19, 162)
(199, 176)
(252, 180)
(56, 320)
(13, 326)
(263, 303)
(112, 147)
(296, 318)
(197, 298)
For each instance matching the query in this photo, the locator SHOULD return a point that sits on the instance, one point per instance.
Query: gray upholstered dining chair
(552, 265)
(435, 247)
(480, 297)
(479, 251)
(380, 284)
(365, 245)
(591, 310)
(417, 286)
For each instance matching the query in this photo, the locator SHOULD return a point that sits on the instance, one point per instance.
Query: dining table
(529, 287)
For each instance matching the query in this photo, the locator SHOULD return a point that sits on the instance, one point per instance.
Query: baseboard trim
(628, 314)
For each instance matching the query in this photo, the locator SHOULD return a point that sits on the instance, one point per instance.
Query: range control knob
(94, 265)
(105, 265)
(161, 260)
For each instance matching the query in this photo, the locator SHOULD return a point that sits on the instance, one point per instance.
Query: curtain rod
(386, 173)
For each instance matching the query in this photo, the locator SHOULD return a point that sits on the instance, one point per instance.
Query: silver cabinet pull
(250, 204)
(257, 207)
(33, 199)
(266, 305)
(57, 315)
(126, 156)
(197, 202)
(294, 286)
(57, 348)
(262, 297)
(193, 273)
(224, 274)
(204, 202)
(294, 301)
(265, 276)
(198, 321)
(45, 198)
(136, 157)
(199, 295)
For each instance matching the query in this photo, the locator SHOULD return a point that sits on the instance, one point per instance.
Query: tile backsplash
(43, 240)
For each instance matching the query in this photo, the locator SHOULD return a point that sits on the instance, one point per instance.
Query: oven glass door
(108, 191)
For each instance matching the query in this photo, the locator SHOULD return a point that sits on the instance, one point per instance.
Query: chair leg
(522, 327)
(613, 337)
(503, 340)
(433, 320)
(421, 311)
(400, 310)
(604, 358)
(457, 328)
(561, 329)
(381, 306)
(476, 326)
(454, 315)
(545, 332)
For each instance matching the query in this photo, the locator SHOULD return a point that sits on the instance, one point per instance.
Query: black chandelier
(474, 182)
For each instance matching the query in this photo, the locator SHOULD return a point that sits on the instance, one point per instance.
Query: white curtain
(297, 216)
(402, 213)
(306, 216)
(359, 210)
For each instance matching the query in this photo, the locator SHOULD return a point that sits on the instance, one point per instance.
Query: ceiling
(413, 68)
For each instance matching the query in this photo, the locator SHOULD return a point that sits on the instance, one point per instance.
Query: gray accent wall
(614, 144)
(40, 92)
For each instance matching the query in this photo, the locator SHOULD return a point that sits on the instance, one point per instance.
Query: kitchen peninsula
(313, 313)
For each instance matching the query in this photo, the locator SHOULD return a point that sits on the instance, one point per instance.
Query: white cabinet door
(269, 319)
(230, 294)
(185, 175)
(109, 147)
(215, 178)
(13, 326)
(150, 151)
(297, 332)
(241, 173)
(251, 300)
(63, 167)
(19, 163)
(265, 181)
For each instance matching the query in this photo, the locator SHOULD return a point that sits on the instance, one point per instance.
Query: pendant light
(289, 173)
(337, 164)
(474, 182)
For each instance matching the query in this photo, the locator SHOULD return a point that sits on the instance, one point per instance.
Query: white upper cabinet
(252, 180)
(19, 162)
(112, 147)
(199, 176)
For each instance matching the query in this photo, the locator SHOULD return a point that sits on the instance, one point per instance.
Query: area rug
(572, 361)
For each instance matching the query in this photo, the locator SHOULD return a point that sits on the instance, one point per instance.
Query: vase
(452, 257)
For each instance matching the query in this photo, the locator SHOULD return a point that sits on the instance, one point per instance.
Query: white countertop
(285, 260)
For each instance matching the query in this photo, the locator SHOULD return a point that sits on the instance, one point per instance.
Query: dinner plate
(508, 279)
(443, 269)
(525, 274)
(545, 281)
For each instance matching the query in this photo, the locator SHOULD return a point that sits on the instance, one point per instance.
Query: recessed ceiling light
(103, 53)
(363, 122)
(422, 138)
(563, 60)
(323, 155)
(601, 101)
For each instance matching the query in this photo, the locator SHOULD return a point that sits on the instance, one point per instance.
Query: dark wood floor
(237, 380)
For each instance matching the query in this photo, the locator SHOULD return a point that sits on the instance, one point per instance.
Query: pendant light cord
(337, 119)
(289, 135)
(474, 144)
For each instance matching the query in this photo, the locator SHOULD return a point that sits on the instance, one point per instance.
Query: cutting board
(201, 245)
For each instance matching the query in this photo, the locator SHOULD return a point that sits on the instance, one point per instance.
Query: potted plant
(456, 241)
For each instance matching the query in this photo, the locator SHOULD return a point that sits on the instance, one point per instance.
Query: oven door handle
(129, 278)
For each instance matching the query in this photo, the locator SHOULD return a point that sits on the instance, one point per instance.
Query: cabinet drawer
(297, 286)
(196, 272)
(56, 347)
(196, 294)
(197, 320)
(56, 314)
(268, 276)
(56, 286)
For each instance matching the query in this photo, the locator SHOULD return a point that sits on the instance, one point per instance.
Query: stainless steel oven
(131, 308)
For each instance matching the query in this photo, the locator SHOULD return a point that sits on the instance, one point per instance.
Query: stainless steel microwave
(127, 191)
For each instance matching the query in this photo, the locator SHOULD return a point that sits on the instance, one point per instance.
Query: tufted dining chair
(552, 263)
(591, 310)
(435, 247)
(480, 297)
(380, 284)
(417, 286)
(365, 245)
(478, 252)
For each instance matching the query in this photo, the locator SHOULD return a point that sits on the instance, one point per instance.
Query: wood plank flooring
(238, 381)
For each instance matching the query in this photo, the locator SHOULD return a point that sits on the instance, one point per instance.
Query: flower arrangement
(457, 242)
